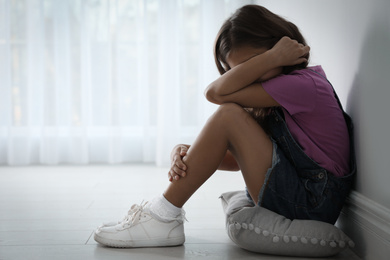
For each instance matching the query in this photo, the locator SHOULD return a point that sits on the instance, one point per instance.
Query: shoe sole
(162, 242)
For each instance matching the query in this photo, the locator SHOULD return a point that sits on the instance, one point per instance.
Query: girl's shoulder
(314, 72)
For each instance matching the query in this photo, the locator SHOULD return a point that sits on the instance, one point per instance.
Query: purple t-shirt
(313, 117)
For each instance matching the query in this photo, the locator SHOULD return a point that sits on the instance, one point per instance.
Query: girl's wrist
(269, 64)
(273, 60)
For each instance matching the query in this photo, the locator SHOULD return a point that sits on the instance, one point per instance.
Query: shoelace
(130, 212)
(183, 215)
(133, 215)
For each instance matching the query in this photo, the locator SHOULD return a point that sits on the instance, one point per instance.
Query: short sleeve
(295, 92)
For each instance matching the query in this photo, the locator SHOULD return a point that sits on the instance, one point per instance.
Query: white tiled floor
(51, 212)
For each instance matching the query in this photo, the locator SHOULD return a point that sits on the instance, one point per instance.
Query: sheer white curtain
(104, 81)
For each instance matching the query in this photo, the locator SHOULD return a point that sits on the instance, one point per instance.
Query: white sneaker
(141, 229)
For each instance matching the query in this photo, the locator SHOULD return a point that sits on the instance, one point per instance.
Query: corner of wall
(367, 223)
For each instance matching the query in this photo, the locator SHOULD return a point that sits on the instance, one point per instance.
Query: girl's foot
(141, 229)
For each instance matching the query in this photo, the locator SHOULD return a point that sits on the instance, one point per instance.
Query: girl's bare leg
(229, 128)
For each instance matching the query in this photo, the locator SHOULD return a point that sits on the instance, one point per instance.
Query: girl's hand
(288, 52)
(178, 168)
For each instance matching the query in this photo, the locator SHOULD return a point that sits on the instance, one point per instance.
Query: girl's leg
(230, 128)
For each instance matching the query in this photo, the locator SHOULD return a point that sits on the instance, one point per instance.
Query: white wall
(369, 105)
(351, 40)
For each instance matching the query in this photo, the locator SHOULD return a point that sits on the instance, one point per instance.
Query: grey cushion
(260, 230)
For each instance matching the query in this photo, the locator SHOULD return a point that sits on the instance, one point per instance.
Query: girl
(279, 122)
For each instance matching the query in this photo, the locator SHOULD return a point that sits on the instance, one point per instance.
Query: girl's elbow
(212, 96)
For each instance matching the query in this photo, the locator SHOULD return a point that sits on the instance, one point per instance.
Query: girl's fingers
(301, 60)
(179, 163)
(306, 49)
(173, 176)
(175, 173)
(178, 171)
(178, 168)
(183, 150)
(290, 51)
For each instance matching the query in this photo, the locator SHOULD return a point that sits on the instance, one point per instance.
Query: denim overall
(296, 186)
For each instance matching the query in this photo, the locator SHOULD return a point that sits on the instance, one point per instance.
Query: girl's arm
(240, 76)
(237, 85)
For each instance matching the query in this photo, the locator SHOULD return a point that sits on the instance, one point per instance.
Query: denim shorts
(296, 186)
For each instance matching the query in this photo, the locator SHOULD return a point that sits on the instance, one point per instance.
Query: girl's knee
(231, 111)
(233, 114)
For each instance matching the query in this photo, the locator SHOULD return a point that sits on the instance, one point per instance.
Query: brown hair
(258, 27)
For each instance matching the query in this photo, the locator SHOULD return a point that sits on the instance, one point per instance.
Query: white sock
(163, 210)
